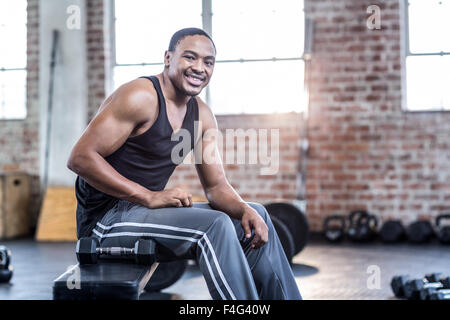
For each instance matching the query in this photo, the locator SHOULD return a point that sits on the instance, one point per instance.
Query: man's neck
(171, 93)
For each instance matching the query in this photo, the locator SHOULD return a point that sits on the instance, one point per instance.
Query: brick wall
(19, 139)
(365, 152)
(247, 178)
(97, 54)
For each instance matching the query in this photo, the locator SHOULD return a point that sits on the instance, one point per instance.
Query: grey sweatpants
(231, 269)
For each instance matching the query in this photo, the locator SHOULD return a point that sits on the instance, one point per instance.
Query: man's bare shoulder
(135, 101)
(205, 115)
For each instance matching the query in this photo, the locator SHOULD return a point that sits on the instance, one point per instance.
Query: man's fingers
(177, 203)
(185, 201)
(260, 239)
(246, 227)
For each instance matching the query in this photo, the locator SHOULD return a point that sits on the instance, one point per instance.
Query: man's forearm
(102, 176)
(224, 198)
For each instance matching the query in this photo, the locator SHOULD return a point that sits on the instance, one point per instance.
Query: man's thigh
(175, 230)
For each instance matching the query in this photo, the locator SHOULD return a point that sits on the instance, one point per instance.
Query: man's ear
(167, 56)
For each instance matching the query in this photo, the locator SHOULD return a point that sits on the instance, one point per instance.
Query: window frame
(3, 69)
(407, 53)
(207, 25)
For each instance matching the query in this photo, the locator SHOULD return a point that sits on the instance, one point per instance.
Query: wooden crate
(14, 205)
(57, 219)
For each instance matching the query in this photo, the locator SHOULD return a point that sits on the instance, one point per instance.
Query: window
(427, 55)
(259, 66)
(13, 60)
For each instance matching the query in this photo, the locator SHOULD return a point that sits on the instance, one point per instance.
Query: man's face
(191, 65)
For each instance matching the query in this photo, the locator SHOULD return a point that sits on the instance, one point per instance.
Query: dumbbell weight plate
(293, 217)
(286, 239)
(6, 274)
(86, 250)
(145, 251)
(166, 274)
(5, 257)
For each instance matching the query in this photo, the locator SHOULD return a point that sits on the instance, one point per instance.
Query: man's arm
(126, 109)
(220, 194)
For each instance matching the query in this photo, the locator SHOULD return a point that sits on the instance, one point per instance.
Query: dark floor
(322, 271)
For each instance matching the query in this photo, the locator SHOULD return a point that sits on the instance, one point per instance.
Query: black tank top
(145, 159)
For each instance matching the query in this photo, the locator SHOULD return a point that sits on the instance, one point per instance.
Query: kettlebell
(334, 233)
(367, 227)
(354, 227)
(420, 231)
(443, 232)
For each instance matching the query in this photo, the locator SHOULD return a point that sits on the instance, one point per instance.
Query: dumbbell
(88, 251)
(398, 282)
(6, 270)
(438, 295)
(425, 294)
(413, 288)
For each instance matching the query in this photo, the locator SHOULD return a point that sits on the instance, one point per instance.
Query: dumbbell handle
(115, 251)
(435, 285)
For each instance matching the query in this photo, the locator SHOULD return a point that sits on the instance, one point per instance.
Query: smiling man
(123, 162)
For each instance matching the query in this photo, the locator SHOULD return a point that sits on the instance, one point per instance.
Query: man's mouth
(194, 80)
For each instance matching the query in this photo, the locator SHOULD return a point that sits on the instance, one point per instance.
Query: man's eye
(189, 57)
(209, 63)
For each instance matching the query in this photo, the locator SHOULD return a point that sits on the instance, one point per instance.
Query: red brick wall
(365, 152)
(97, 53)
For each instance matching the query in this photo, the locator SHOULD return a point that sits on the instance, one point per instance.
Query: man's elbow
(77, 162)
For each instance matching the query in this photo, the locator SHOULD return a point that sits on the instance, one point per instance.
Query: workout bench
(106, 279)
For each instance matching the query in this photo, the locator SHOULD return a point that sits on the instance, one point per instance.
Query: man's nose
(198, 66)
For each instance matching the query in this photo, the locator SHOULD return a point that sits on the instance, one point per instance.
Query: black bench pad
(104, 280)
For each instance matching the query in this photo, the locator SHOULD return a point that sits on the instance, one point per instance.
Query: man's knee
(222, 221)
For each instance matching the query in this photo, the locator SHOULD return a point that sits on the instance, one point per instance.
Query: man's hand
(252, 220)
(169, 198)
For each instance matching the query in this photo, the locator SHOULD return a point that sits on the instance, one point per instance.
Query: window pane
(427, 79)
(258, 87)
(429, 24)
(258, 28)
(127, 73)
(144, 28)
(13, 33)
(13, 94)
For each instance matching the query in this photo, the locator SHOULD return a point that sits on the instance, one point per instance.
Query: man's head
(190, 59)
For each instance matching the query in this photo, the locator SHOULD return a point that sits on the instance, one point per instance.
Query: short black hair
(181, 34)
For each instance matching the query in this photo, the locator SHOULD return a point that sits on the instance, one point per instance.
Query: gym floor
(323, 271)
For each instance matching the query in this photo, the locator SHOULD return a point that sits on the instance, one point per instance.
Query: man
(123, 161)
